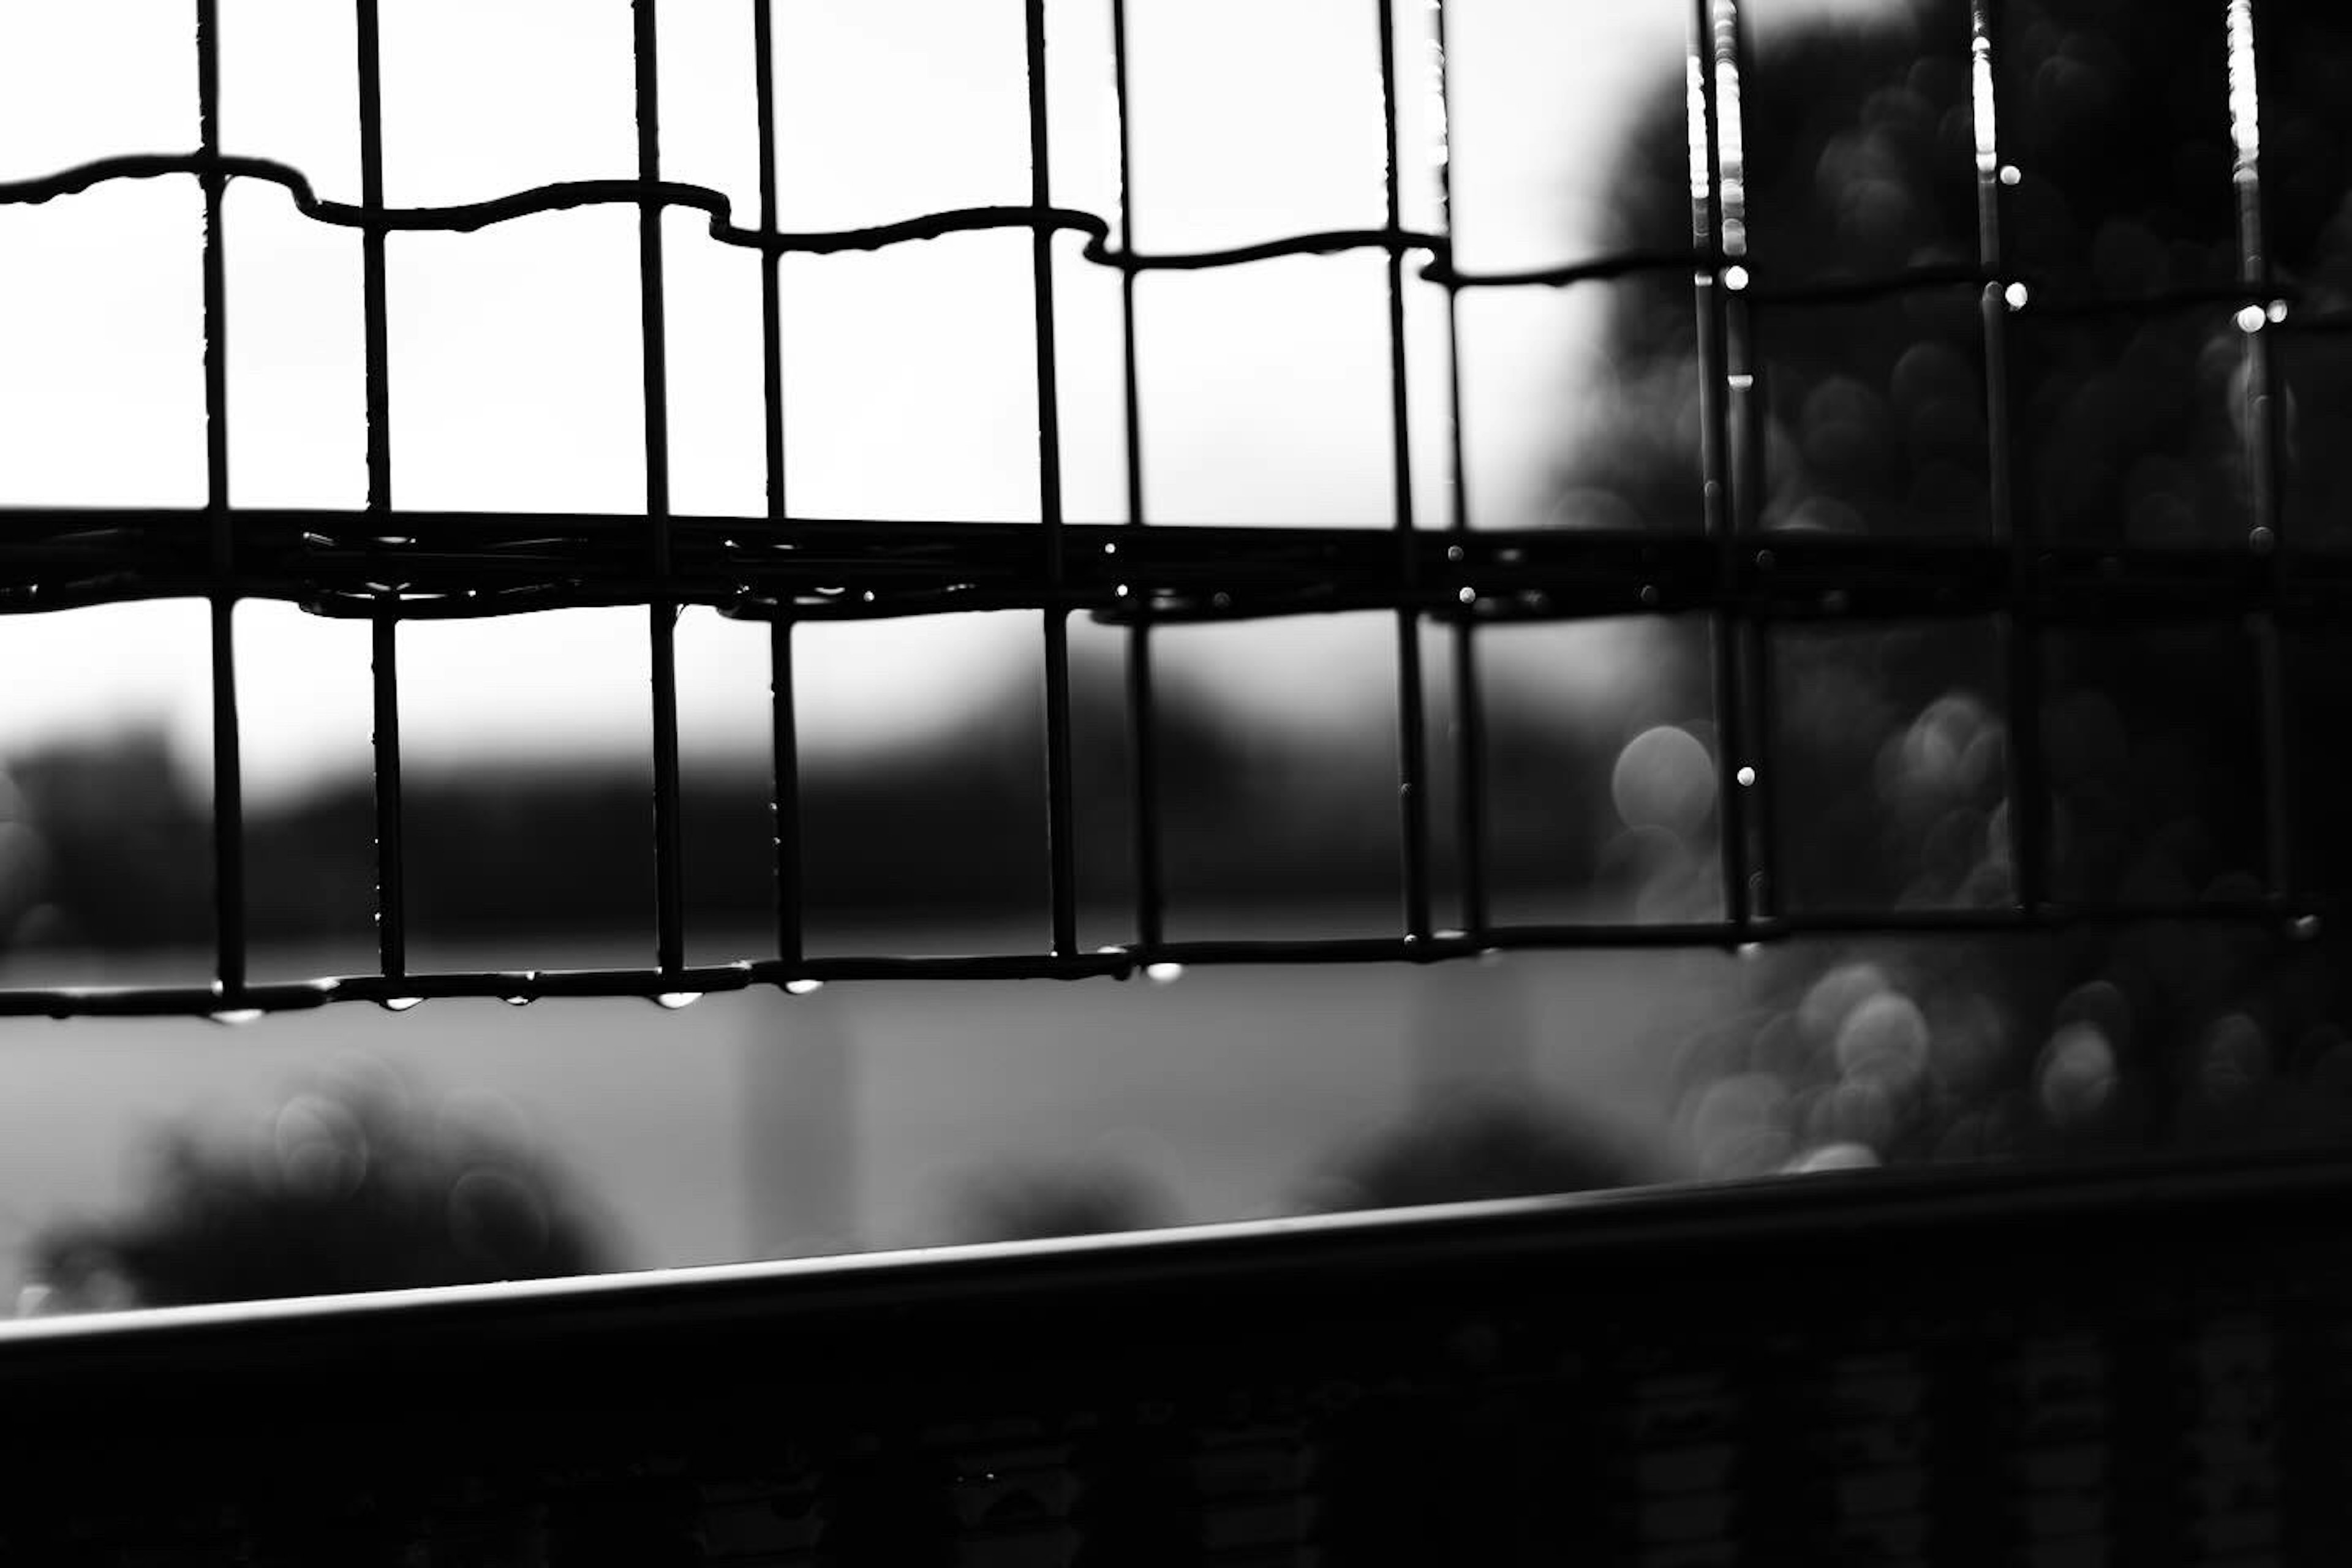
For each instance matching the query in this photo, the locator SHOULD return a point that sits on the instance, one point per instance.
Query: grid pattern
(388, 565)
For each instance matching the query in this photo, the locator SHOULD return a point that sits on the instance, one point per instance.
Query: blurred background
(481, 1139)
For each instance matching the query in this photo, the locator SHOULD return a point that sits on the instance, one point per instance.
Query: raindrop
(1468, 595)
(2277, 311)
(1734, 278)
(1122, 590)
(233, 1016)
(2252, 318)
(1747, 776)
(1164, 973)
(674, 1000)
(1111, 550)
(803, 987)
(2010, 173)
(2260, 540)
(2015, 296)
(400, 1004)
(518, 1001)
(2305, 928)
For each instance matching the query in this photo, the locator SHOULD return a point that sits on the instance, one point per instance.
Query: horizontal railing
(2146, 1365)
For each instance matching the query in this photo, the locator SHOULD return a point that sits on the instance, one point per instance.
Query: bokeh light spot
(2077, 1074)
(1884, 1041)
(1664, 778)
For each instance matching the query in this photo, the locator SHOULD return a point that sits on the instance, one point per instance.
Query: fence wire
(388, 565)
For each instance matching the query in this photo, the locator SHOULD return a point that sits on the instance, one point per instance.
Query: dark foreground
(2147, 1366)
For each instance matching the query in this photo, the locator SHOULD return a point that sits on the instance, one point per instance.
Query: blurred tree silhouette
(2131, 427)
(1031, 1203)
(1474, 1142)
(348, 1186)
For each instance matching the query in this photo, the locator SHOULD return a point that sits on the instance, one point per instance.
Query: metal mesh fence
(387, 564)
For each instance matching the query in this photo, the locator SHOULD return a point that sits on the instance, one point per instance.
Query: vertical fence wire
(2021, 627)
(1413, 740)
(1706, 111)
(1755, 730)
(2258, 411)
(1143, 725)
(1469, 701)
(390, 883)
(1061, 828)
(783, 716)
(228, 779)
(661, 618)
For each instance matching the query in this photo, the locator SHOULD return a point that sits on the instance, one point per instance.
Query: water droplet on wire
(803, 987)
(400, 1004)
(671, 1001)
(234, 1016)
(1164, 973)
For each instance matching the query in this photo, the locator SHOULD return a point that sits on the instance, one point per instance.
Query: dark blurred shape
(126, 842)
(349, 1186)
(1892, 760)
(106, 843)
(2126, 162)
(1475, 1142)
(1032, 1202)
(2155, 761)
(1858, 150)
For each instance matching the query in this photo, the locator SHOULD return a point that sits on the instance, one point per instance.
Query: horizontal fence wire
(387, 564)
(2042, 297)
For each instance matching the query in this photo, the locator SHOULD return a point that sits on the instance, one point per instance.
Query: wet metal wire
(387, 565)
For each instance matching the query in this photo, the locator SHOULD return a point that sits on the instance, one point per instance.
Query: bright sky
(515, 358)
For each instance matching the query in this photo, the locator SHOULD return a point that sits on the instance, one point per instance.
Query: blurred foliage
(106, 843)
(349, 1184)
(1031, 1203)
(1889, 766)
(1470, 1142)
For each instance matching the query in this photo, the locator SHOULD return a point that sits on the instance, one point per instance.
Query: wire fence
(387, 564)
